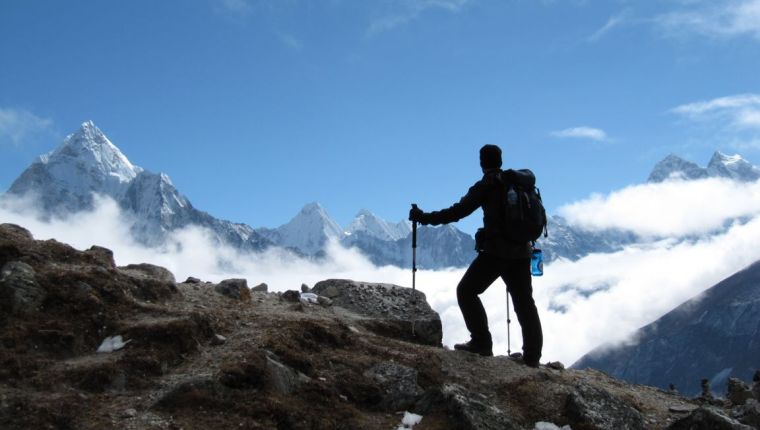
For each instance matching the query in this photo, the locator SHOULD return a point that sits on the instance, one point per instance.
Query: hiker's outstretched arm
(464, 207)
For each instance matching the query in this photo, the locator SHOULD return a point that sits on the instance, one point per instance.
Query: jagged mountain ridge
(573, 243)
(308, 232)
(368, 223)
(714, 335)
(437, 247)
(383, 243)
(720, 166)
(87, 162)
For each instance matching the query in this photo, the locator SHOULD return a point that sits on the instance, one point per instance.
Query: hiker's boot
(531, 359)
(519, 358)
(475, 347)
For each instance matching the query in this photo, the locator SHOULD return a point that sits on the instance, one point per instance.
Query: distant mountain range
(715, 335)
(720, 166)
(88, 163)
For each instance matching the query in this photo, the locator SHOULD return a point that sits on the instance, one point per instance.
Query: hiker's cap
(490, 157)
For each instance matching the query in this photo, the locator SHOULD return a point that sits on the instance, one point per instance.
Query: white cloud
(741, 111)
(406, 11)
(749, 118)
(714, 18)
(18, 125)
(612, 23)
(719, 104)
(668, 209)
(641, 283)
(581, 133)
(600, 298)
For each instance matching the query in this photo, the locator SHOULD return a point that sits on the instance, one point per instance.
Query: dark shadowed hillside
(715, 335)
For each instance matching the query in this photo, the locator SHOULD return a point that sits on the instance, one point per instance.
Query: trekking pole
(414, 264)
(509, 343)
(414, 254)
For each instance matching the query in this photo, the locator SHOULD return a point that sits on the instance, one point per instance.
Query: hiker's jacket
(487, 193)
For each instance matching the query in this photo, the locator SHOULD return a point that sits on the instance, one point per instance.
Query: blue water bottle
(537, 262)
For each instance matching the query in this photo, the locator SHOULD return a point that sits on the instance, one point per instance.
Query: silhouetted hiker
(497, 257)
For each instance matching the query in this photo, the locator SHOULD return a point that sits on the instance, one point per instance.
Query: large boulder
(388, 309)
(234, 288)
(150, 271)
(150, 282)
(15, 233)
(738, 391)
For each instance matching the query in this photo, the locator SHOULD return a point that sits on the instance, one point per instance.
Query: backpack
(524, 213)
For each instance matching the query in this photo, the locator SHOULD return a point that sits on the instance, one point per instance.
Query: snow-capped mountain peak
(725, 158)
(372, 225)
(674, 166)
(65, 180)
(732, 166)
(94, 151)
(85, 163)
(308, 231)
(313, 208)
(313, 214)
(720, 166)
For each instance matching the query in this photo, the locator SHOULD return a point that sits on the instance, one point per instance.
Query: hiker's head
(490, 157)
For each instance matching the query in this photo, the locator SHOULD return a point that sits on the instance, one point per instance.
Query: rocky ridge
(198, 355)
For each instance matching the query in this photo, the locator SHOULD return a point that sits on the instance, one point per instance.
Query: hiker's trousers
(483, 271)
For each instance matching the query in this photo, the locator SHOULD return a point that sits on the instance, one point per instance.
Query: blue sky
(257, 107)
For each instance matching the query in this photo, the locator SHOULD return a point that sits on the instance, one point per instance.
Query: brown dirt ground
(172, 376)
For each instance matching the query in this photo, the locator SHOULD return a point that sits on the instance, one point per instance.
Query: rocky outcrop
(739, 392)
(389, 309)
(594, 408)
(148, 271)
(108, 347)
(468, 410)
(707, 418)
(261, 288)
